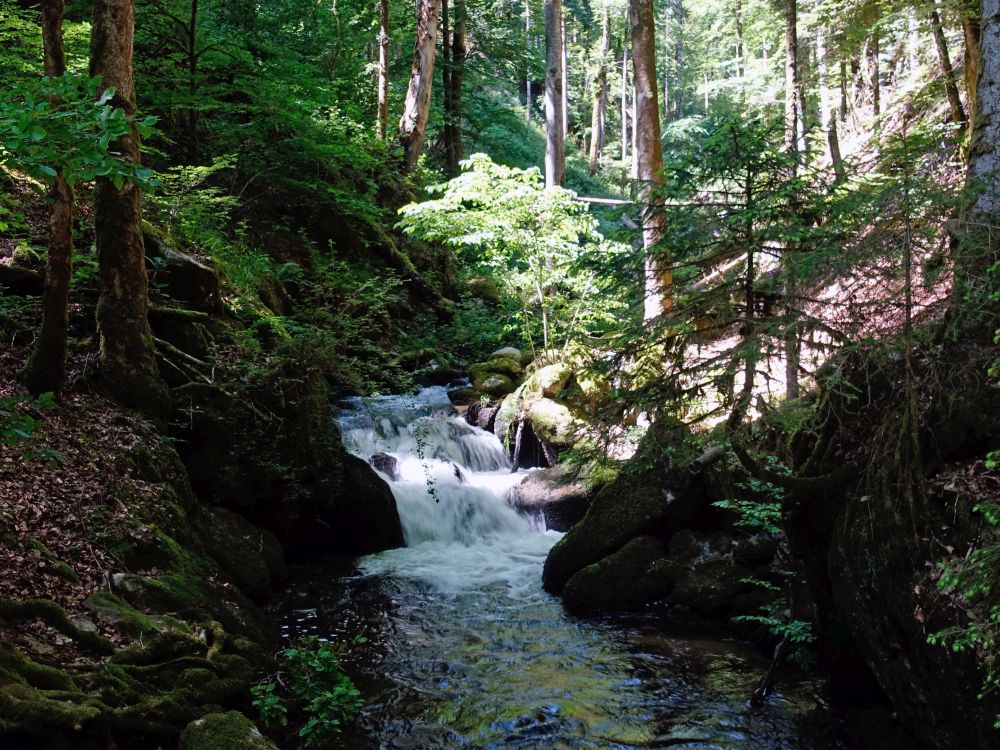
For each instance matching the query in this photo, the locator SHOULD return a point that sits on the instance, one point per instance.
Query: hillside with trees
(551, 373)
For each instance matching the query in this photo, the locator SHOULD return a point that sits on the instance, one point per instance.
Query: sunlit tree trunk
(128, 361)
(600, 92)
(649, 159)
(740, 46)
(382, 117)
(624, 98)
(948, 74)
(413, 124)
(979, 249)
(527, 58)
(46, 370)
(565, 80)
(458, 52)
(874, 55)
(971, 30)
(555, 154)
(828, 122)
(792, 84)
(679, 62)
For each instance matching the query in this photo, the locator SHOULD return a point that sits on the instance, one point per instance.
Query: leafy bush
(314, 684)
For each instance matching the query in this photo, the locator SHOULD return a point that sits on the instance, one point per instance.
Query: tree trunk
(382, 117)
(625, 130)
(527, 58)
(971, 29)
(565, 80)
(600, 92)
(413, 124)
(792, 85)
(843, 88)
(980, 248)
(46, 369)
(449, 168)
(828, 122)
(128, 361)
(649, 158)
(876, 73)
(458, 51)
(950, 87)
(679, 60)
(740, 47)
(555, 154)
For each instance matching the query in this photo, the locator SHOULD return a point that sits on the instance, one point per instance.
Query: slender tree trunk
(128, 360)
(634, 167)
(740, 46)
(46, 370)
(950, 87)
(828, 122)
(446, 132)
(382, 116)
(912, 40)
(555, 154)
(679, 60)
(527, 64)
(600, 92)
(792, 85)
(458, 52)
(413, 124)
(666, 103)
(565, 79)
(625, 137)
(843, 88)
(876, 72)
(649, 158)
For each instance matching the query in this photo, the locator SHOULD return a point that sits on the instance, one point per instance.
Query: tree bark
(413, 124)
(128, 361)
(649, 159)
(527, 64)
(792, 85)
(950, 87)
(876, 73)
(972, 31)
(554, 135)
(740, 46)
(827, 118)
(565, 79)
(600, 92)
(458, 52)
(624, 97)
(679, 60)
(46, 369)
(382, 117)
(449, 168)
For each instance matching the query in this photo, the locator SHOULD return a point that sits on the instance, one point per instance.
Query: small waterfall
(450, 479)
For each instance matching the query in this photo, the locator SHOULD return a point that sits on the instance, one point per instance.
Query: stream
(454, 643)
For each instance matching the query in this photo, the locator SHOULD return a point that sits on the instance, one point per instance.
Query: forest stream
(464, 648)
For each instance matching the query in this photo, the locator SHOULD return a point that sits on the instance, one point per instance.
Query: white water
(451, 487)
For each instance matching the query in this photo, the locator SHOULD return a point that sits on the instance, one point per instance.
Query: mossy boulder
(549, 380)
(483, 289)
(507, 352)
(251, 556)
(655, 494)
(224, 731)
(554, 423)
(710, 588)
(464, 396)
(509, 366)
(181, 276)
(558, 495)
(626, 579)
(493, 384)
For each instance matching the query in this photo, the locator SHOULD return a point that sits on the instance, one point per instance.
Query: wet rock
(710, 588)
(21, 281)
(508, 352)
(687, 546)
(464, 396)
(754, 551)
(559, 497)
(549, 380)
(251, 556)
(626, 579)
(509, 366)
(483, 289)
(555, 424)
(226, 731)
(387, 464)
(483, 417)
(443, 375)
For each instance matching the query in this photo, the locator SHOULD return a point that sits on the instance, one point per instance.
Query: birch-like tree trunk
(413, 123)
(649, 160)
(382, 115)
(792, 85)
(128, 360)
(46, 369)
(555, 137)
(600, 92)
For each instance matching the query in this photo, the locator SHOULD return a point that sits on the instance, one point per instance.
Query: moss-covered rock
(711, 587)
(251, 556)
(549, 380)
(625, 579)
(507, 352)
(493, 384)
(464, 396)
(228, 731)
(509, 366)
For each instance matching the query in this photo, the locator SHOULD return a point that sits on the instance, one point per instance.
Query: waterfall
(450, 479)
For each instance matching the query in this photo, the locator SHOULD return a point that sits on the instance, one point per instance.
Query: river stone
(549, 380)
(555, 424)
(251, 556)
(226, 731)
(710, 588)
(484, 289)
(507, 352)
(754, 551)
(625, 580)
(494, 384)
(560, 498)
(506, 366)
(182, 276)
(464, 396)
(387, 464)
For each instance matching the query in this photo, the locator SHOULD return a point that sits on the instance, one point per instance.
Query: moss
(223, 732)
(59, 568)
(55, 617)
(15, 667)
(118, 613)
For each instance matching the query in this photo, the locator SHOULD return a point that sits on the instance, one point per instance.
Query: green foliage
(67, 124)
(506, 224)
(315, 686)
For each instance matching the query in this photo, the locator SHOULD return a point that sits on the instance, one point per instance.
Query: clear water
(465, 650)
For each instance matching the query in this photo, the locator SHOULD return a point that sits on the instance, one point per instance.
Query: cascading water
(463, 648)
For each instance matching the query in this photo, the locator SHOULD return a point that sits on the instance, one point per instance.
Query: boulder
(251, 556)
(387, 464)
(754, 551)
(182, 276)
(442, 375)
(509, 366)
(21, 281)
(561, 498)
(494, 384)
(508, 352)
(483, 289)
(711, 587)
(630, 577)
(224, 731)
(483, 417)
(464, 396)
(555, 424)
(549, 380)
